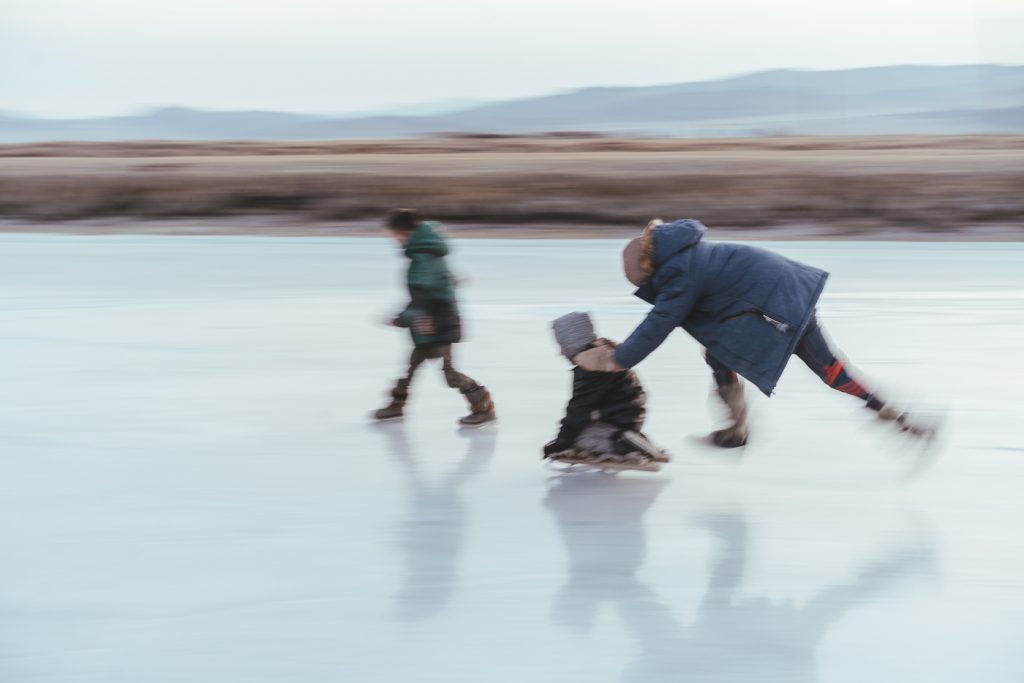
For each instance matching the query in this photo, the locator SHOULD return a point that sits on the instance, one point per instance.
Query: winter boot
(391, 411)
(481, 408)
(734, 435)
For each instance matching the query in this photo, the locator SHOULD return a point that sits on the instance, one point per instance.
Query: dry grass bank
(887, 185)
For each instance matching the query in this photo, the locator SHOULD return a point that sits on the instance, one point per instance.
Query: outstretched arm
(671, 307)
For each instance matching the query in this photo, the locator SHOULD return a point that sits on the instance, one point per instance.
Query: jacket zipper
(777, 324)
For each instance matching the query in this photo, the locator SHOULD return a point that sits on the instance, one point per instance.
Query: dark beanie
(404, 220)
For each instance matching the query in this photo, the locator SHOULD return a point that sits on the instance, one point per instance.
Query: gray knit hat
(574, 333)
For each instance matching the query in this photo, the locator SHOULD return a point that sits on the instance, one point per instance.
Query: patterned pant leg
(723, 375)
(454, 378)
(815, 350)
(416, 358)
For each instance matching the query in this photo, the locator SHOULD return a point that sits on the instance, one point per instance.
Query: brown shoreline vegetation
(957, 187)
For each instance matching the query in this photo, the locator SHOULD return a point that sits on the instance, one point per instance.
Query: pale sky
(65, 58)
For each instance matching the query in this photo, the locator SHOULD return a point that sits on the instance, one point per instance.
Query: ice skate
(912, 425)
(481, 409)
(637, 441)
(586, 460)
(921, 433)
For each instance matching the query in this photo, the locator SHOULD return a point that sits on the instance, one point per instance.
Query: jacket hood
(426, 240)
(672, 238)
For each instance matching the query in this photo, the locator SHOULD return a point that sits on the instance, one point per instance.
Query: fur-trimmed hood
(657, 244)
(669, 239)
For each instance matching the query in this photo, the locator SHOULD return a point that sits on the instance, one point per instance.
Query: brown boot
(481, 408)
(735, 435)
(391, 411)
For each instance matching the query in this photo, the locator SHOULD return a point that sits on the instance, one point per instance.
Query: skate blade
(645, 446)
(705, 444)
(481, 425)
(590, 465)
(923, 447)
(708, 441)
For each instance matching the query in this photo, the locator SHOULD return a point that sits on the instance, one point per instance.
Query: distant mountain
(170, 123)
(434, 108)
(872, 101)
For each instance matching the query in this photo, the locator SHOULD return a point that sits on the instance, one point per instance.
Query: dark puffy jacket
(431, 288)
(615, 398)
(748, 306)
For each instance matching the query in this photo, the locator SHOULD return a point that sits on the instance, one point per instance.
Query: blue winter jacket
(747, 306)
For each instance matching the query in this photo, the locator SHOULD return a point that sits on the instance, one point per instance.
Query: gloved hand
(598, 359)
(556, 446)
(422, 324)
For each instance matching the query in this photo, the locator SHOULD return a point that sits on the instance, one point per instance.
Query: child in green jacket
(432, 317)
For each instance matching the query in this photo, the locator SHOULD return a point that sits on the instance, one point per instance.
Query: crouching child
(604, 417)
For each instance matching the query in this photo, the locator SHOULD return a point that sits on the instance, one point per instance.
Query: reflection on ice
(432, 536)
(600, 520)
(734, 637)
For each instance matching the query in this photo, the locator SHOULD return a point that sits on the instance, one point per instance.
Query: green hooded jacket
(431, 288)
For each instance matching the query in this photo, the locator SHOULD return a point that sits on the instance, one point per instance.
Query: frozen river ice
(190, 489)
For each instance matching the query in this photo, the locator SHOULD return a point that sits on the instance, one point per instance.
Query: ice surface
(190, 490)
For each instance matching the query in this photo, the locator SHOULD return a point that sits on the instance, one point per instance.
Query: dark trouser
(455, 379)
(814, 350)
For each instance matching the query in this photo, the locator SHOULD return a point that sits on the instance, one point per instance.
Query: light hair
(647, 246)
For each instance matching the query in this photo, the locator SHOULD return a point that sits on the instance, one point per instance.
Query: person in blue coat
(750, 308)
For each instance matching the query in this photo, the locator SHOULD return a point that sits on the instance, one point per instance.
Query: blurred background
(885, 119)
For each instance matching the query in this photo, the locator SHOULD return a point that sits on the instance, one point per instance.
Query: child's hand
(390, 321)
(423, 325)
